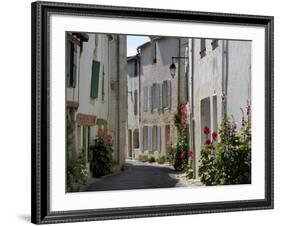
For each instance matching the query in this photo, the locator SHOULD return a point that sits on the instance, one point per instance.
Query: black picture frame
(40, 211)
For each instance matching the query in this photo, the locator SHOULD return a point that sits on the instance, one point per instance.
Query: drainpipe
(224, 81)
(226, 74)
(117, 128)
(192, 107)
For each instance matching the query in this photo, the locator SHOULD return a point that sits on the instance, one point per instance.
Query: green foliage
(151, 159)
(161, 159)
(189, 171)
(76, 173)
(102, 159)
(230, 161)
(143, 158)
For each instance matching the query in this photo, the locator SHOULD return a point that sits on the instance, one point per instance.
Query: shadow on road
(137, 176)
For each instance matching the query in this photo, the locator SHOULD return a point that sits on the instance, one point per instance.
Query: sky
(133, 42)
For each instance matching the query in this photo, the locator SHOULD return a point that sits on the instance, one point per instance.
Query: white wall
(15, 157)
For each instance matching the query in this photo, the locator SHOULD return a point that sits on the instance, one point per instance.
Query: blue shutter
(145, 99)
(149, 138)
(169, 96)
(160, 97)
(159, 138)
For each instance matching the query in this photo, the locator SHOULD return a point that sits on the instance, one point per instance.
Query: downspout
(192, 104)
(226, 74)
(118, 101)
(139, 73)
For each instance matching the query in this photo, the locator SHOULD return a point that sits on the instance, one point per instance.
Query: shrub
(102, 159)
(76, 173)
(151, 159)
(143, 158)
(161, 159)
(228, 162)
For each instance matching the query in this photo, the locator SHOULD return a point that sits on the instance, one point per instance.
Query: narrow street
(137, 175)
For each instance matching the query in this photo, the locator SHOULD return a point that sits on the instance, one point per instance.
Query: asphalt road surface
(137, 176)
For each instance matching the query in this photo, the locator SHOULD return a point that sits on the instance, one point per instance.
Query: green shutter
(95, 79)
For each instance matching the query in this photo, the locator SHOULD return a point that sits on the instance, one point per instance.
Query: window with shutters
(145, 99)
(71, 64)
(202, 47)
(95, 79)
(135, 102)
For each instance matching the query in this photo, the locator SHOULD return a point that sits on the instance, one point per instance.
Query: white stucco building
(95, 71)
(154, 96)
(216, 68)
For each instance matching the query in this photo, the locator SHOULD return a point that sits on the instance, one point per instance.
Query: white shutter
(159, 138)
(169, 96)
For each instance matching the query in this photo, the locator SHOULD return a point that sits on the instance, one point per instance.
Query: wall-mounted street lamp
(173, 66)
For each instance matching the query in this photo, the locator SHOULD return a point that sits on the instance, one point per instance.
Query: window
(166, 94)
(145, 99)
(71, 64)
(215, 43)
(95, 79)
(154, 97)
(135, 67)
(215, 113)
(202, 47)
(159, 138)
(154, 53)
(136, 138)
(135, 102)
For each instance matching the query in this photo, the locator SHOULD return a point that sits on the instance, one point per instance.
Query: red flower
(207, 142)
(182, 156)
(207, 130)
(190, 153)
(215, 135)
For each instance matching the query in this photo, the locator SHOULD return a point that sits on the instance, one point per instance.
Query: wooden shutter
(169, 96)
(159, 138)
(95, 79)
(160, 97)
(145, 99)
(135, 102)
(149, 138)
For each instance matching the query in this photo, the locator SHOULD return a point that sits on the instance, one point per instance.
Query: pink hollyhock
(207, 142)
(215, 135)
(207, 130)
(213, 147)
(190, 153)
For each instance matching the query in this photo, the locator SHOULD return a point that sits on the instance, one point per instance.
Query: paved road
(137, 176)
